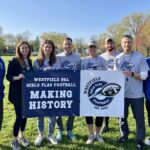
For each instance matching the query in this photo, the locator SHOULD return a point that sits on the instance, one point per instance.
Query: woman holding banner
(93, 62)
(46, 61)
(17, 66)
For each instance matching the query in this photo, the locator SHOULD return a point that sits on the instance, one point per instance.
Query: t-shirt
(69, 61)
(45, 66)
(110, 57)
(97, 63)
(134, 62)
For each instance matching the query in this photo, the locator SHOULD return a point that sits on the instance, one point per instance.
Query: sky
(76, 18)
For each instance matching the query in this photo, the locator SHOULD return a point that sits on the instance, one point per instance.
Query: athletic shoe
(90, 140)
(71, 136)
(122, 139)
(15, 145)
(147, 141)
(140, 145)
(52, 140)
(38, 141)
(59, 136)
(23, 141)
(99, 138)
(105, 129)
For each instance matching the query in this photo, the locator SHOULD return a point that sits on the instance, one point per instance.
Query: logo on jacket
(127, 66)
(68, 65)
(93, 66)
(101, 93)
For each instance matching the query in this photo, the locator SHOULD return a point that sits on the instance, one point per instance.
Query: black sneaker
(122, 139)
(105, 129)
(140, 145)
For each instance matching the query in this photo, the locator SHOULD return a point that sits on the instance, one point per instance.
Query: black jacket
(15, 88)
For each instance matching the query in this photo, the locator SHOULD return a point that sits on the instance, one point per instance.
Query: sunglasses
(92, 46)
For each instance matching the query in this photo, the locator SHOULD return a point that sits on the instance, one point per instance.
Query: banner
(73, 93)
(51, 93)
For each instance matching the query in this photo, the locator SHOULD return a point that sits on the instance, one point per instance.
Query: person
(46, 61)
(93, 62)
(68, 61)
(2, 74)
(109, 56)
(15, 73)
(147, 97)
(135, 69)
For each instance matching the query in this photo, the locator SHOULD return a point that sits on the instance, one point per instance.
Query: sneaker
(90, 140)
(15, 145)
(52, 140)
(71, 136)
(38, 141)
(105, 129)
(59, 136)
(140, 145)
(23, 141)
(148, 141)
(99, 138)
(122, 139)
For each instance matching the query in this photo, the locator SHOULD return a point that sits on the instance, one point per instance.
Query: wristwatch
(132, 74)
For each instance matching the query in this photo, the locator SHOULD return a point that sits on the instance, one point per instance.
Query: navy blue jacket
(15, 88)
(147, 83)
(2, 74)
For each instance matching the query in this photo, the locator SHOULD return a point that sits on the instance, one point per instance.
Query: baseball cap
(92, 43)
(109, 39)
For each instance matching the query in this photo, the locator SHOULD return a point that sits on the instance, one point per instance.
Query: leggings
(20, 122)
(98, 121)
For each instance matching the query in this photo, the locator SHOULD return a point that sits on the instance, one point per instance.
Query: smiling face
(47, 49)
(127, 44)
(92, 50)
(24, 50)
(67, 45)
(109, 45)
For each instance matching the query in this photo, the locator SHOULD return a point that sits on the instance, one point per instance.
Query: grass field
(80, 130)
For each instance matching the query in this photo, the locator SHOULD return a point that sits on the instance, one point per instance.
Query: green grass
(80, 130)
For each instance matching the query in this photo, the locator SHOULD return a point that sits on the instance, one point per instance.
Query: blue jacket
(147, 83)
(2, 74)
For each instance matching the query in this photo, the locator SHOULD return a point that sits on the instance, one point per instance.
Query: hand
(127, 73)
(21, 76)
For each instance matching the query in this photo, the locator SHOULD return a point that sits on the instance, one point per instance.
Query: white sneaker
(90, 140)
(23, 141)
(147, 142)
(38, 141)
(15, 145)
(99, 138)
(52, 139)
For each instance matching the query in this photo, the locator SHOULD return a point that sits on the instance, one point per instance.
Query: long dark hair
(41, 56)
(19, 55)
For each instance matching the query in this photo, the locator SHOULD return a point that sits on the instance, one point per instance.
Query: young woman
(93, 62)
(15, 73)
(46, 61)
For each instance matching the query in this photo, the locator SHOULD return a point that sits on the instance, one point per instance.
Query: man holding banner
(135, 69)
(68, 61)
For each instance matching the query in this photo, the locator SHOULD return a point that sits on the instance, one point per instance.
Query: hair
(127, 36)
(68, 38)
(41, 56)
(19, 55)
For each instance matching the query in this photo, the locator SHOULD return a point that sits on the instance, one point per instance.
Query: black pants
(1, 113)
(98, 121)
(106, 121)
(20, 122)
(148, 111)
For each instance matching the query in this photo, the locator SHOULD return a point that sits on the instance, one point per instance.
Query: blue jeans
(51, 125)
(70, 122)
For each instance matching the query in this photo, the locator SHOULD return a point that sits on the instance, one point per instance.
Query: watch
(132, 74)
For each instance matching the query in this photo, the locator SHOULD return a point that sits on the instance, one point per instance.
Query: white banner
(102, 93)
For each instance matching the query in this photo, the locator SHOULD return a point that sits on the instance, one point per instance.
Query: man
(68, 61)
(2, 73)
(135, 69)
(109, 56)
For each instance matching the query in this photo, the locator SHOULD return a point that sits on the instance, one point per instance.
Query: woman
(46, 61)
(93, 62)
(15, 73)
